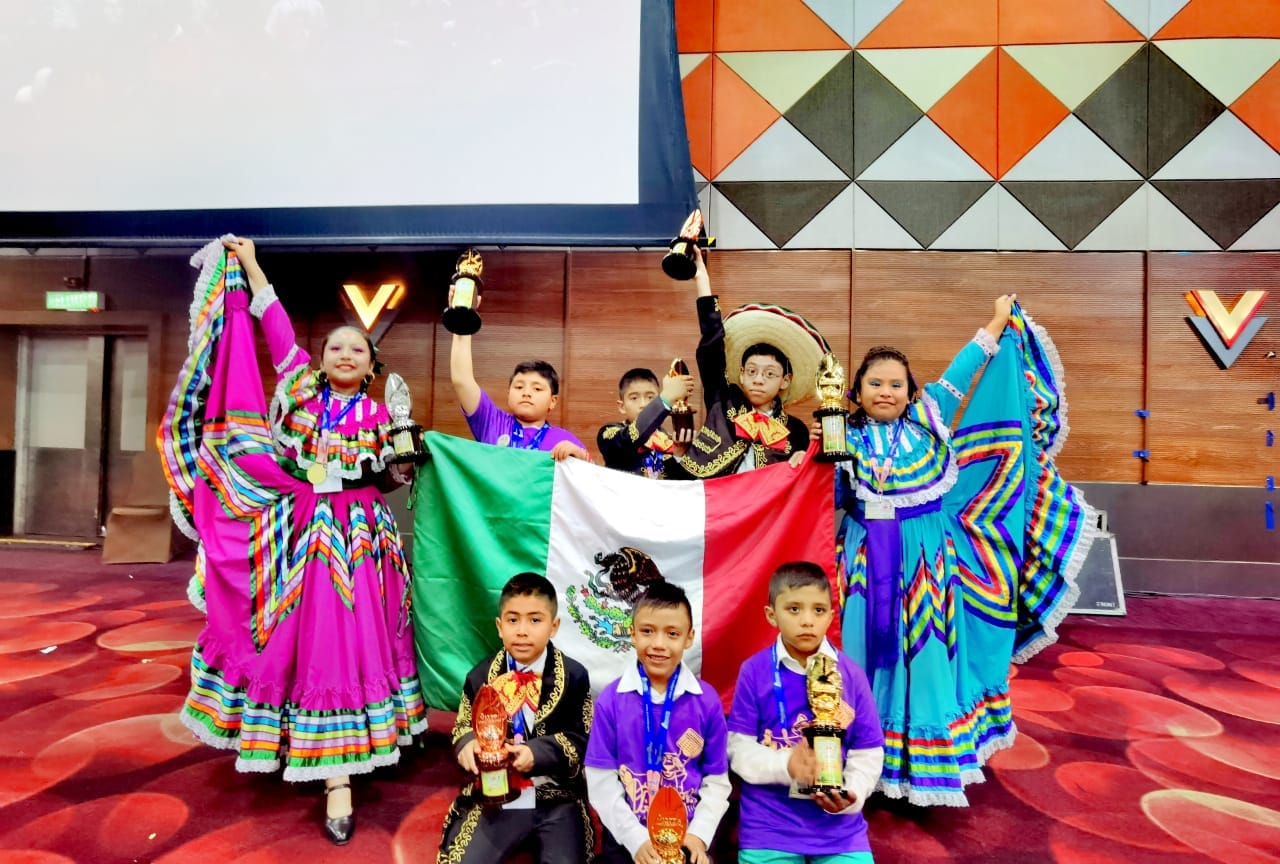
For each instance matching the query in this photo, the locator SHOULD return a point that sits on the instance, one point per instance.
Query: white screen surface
(139, 105)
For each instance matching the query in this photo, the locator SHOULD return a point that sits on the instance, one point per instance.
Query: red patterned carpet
(1151, 738)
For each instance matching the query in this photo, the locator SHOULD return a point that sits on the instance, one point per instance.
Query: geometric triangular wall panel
(1084, 125)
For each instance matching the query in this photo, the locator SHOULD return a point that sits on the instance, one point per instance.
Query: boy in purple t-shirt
(532, 393)
(767, 747)
(658, 725)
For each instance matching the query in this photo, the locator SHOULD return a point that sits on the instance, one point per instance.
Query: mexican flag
(484, 513)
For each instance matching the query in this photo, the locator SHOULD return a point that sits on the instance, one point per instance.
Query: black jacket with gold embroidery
(717, 449)
(560, 727)
(623, 444)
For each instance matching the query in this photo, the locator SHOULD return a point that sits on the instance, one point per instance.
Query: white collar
(630, 681)
(786, 661)
(538, 665)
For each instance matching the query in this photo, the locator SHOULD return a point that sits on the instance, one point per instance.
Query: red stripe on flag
(755, 522)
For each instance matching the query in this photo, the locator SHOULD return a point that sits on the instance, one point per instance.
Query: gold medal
(317, 474)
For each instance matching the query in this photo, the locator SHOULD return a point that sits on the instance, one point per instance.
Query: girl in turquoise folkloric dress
(958, 551)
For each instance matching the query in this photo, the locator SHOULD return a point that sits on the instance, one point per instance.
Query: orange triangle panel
(693, 26)
(1207, 19)
(775, 25)
(741, 115)
(968, 113)
(1054, 22)
(697, 115)
(1257, 107)
(1026, 112)
(936, 24)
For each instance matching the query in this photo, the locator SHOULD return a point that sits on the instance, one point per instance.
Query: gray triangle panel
(1223, 209)
(1178, 109)
(881, 114)
(1071, 209)
(1117, 111)
(925, 208)
(824, 115)
(780, 208)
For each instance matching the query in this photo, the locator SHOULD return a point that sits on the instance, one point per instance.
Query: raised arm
(950, 389)
(710, 354)
(282, 343)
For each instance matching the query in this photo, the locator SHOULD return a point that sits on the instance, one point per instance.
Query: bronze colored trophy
(680, 262)
(489, 722)
(461, 317)
(406, 436)
(832, 414)
(668, 823)
(826, 732)
(681, 411)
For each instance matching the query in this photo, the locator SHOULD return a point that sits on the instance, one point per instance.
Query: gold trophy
(461, 317)
(680, 262)
(825, 732)
(668, 822)
(832, 413)
(489, 722)
(406, 436)
(681, 411)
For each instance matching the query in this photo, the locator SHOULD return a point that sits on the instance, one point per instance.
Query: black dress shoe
(341, 829)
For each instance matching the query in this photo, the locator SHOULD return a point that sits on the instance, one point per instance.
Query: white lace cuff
(988, 343)
(288, 360)
(264, 298)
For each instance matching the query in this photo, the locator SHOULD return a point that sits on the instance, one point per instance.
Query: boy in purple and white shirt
(532, 394)
(767, 747)
(658, 725)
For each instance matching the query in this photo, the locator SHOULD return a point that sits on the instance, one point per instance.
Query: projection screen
(158, 122)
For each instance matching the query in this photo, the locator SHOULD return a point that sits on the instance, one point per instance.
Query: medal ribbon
(882, 474)
(517, 436)
(777, 693)
(655, 740)
(525, 681)
(327, 422)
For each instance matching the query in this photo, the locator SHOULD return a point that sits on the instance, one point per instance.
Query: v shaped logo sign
(1226, 333)
(375, 310)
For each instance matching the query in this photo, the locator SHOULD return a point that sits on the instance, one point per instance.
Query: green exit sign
(73, 301)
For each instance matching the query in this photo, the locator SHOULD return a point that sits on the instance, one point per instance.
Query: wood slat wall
(929, 305)
(593, 314)
(1206, 424)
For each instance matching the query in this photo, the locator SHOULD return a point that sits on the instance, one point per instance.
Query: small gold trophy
(461, 317)
(681, 411)
(832, 413)
(668, 823)
(680, 262)
(489, 722)
(406, 436)
(825, 733)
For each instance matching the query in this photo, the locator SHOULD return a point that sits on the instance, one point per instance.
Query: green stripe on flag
(462, 499)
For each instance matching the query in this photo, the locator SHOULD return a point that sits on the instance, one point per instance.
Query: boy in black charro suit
(550, 695)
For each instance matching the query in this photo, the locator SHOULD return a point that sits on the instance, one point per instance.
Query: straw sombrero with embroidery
(783, 329)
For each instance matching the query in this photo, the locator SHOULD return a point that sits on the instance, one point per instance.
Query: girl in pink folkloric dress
(307, 659)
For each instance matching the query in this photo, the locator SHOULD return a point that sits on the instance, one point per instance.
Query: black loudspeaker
(1099, 579)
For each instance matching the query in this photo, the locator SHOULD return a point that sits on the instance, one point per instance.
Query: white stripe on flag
(597, 511)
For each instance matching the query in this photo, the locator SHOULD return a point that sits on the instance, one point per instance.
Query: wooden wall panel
(523, 311)
(1206, 425)
(929, 304)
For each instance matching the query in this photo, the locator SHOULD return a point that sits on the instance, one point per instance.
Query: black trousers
(487, 835)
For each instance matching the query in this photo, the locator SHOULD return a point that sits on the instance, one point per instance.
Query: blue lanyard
(327, 423)
(655, 740)
(777, 692)
(517, 722)
(653, 461)
(871, 448)
(517, 436)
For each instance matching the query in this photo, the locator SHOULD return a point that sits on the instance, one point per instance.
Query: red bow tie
(757, 426)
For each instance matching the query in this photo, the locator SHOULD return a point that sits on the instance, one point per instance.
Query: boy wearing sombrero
(775, 355)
